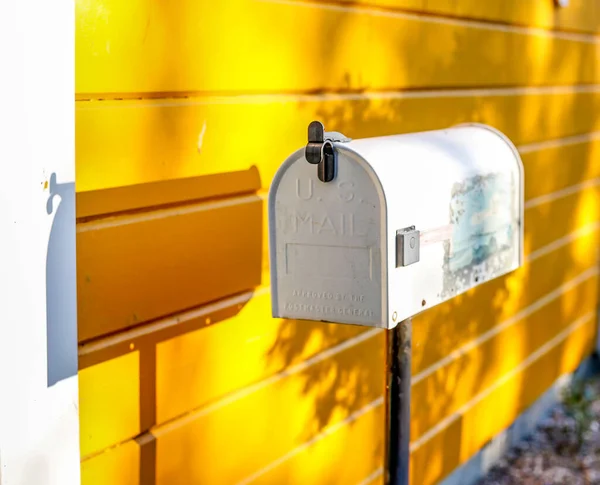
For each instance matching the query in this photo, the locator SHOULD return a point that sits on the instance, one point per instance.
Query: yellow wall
(184, 112)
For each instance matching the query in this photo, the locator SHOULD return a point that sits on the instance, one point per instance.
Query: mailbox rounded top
(470, 146)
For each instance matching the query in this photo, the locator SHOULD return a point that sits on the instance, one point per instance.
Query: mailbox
(373, 231)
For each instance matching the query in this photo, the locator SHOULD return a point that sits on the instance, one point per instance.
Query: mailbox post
(373, 231)
(397, 412)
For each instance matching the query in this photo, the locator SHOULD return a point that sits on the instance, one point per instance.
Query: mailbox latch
(320, 150)
(407, 246)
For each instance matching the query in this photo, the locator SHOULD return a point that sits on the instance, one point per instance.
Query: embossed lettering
(346, 195)
(327, 295)
(328, 310)
(298, 219)
(353, 228)
(309, 194)
(326, 225)
(334, 224)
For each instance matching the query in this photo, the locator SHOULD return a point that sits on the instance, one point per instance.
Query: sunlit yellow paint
(220, 395)
(275, 419)
(149, 47)
(552, 220)
(554, 168)
(117, 466)
(132, 142)
(138, 295)
(451, 386)
(468, 432)
(580, 16)
(198, 367)
(340, 456)
(134, 269)
(109, 403)
(446, 327)
(202, 367)
(320, 459)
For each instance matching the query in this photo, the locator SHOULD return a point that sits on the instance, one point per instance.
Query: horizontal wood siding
(149, 47)
(184, 112)
(122, 143)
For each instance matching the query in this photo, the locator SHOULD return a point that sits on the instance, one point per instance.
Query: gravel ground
(565, 449)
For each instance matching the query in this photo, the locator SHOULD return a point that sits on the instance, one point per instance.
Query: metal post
(398, 373)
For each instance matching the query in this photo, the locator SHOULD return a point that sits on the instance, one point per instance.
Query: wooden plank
(341, 455)
(472, 428)
(142, 287)
(122, 282)
(116, 245)
(554, 166)
(135, 48)
(580, 15)
(167, 408)
(193, 368)
(179, 366)
(110, 201)
(122, 143)
(186, 446)
(376, 478)
(580, 341)
(110, 399)
(117, 466)
(134, 268)
(521, 340)
(549, 220)
(410, 5)
(430, 462)
(444, 328)
(451, 386)
(275, 419)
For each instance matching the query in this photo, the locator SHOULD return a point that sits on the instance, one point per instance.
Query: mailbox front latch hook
(320, 150)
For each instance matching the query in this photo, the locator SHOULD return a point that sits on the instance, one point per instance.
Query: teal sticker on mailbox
(485, 223)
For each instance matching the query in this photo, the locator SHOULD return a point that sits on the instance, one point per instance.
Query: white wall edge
(39, 397)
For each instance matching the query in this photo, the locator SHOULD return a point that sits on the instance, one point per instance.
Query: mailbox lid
(328, 242)
(462, 189)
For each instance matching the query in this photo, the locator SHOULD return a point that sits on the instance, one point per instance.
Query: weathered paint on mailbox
(333, 245)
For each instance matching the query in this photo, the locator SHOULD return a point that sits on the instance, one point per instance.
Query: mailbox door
(328, 243)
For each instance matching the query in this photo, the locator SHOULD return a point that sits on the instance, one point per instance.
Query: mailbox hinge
(320, 150)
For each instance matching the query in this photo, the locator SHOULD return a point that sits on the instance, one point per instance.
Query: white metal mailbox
(373, 231)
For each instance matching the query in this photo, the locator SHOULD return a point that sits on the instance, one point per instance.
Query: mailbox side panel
(462, 190)
(328, 246)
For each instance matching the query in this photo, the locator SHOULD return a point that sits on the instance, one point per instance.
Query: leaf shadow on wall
(338, 387)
